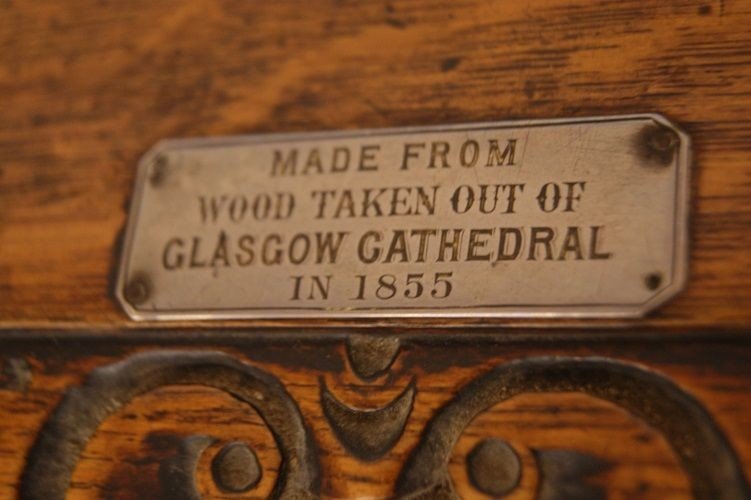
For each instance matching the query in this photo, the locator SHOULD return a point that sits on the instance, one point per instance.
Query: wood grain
(123, 457)
(88, 86)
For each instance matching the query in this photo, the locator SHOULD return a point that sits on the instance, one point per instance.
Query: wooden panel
(96, 406)
(88, 86)
(633, 419)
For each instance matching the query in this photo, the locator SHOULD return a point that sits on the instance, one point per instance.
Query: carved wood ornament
(493, 465)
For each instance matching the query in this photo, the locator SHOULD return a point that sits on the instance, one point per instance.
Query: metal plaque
(576, 217)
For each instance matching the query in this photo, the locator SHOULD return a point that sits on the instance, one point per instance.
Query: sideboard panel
(140, 419)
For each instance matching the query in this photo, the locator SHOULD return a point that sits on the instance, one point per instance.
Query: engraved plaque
(579, 217)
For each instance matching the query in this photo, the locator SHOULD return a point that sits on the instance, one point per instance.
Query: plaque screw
(493, 467)
(663, 139)
(658, 143)
(158, 171)
(653, 281)
(137, 290)
(235, 468)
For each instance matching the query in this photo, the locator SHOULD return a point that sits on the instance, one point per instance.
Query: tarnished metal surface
(582, 217)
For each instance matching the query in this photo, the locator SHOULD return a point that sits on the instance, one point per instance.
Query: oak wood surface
(122, 459)
(88, 86)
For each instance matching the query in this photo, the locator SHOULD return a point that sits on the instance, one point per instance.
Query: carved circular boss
(694, 437)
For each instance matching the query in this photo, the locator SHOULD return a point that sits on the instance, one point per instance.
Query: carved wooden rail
(368, 415)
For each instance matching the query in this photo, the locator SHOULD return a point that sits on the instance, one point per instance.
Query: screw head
(158, 170)
(137, 290)
(658, 144)
(653, 281)
(663, 139)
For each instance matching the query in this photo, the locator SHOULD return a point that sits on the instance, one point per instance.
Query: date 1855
(436, 285)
